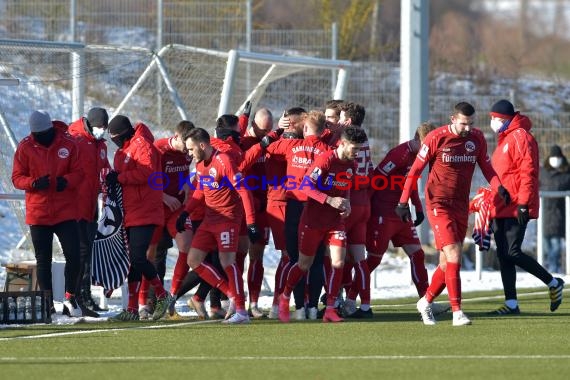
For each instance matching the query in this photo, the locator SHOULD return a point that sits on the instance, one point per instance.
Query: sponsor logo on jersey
(458, 158)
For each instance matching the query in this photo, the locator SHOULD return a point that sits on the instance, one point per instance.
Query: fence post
(567, 232)
(539, 234)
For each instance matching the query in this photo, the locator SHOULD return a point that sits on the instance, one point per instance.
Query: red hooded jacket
(136, 162)
(516, 162)
(48, 207)
(93, 159)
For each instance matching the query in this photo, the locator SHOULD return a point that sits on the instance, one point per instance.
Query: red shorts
(311, 238)
(448, 227)
(170, 218)
(220, 236)
(276, 221)
(356, 224)
(381, 230)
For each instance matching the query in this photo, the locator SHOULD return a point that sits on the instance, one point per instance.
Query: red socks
(235, 280)
(133, 305)
(453, 282)
(180, 270)
(143, 291)
(419, 272)
(254, 279)
(209, 274)
(334, 286)
(295, 275)
(158, 287)
(437, 284)
(280, 277)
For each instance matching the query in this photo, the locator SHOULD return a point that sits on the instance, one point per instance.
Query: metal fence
(127, 35)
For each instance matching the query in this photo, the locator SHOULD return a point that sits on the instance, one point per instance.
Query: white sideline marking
(474, 299)
(67, 359)
(94, 331)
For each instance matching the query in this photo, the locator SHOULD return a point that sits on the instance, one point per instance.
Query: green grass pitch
(393, 345)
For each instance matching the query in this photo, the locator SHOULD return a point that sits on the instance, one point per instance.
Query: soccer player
(175, 164)
(322, 219)
(136, 160)
(299, 155)
(516, 161)
(451, 152)
(261, 125)
(352, 114)
(220, 187)
(385, 226)
(332, 111)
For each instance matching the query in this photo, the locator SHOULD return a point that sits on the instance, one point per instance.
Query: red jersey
(322, 176)
(275, 169)
(93, 159)
(255, 173)
(175, 166)
(452, 160)
(299, 154)
(219, 186)
(359, 195)
(390, 174)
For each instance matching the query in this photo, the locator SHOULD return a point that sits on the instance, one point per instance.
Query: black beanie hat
(503, 109)
(98, 117)
(119, 125)
(555, 151)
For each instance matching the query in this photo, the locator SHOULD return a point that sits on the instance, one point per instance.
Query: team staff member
(516, 161)
(135, 162)
(451, 152)
(89, 132)
(46, 166)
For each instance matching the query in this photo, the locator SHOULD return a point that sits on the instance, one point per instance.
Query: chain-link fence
(128, 34)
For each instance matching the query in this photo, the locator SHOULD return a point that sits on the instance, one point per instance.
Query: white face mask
(555, 162)
(98, 133)
(496, 124)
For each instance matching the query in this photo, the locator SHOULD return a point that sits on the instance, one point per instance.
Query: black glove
(523, 215)
(181, 221)
(419, 218)
(61, 183)
(267, 140)
(112, 178)
(403, 211)
(504, 194)
(247, 108)
(253, 233)
(41, 183)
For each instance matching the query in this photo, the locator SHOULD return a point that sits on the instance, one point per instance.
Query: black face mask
(44, 138)
(223, 134)
(120, 139)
